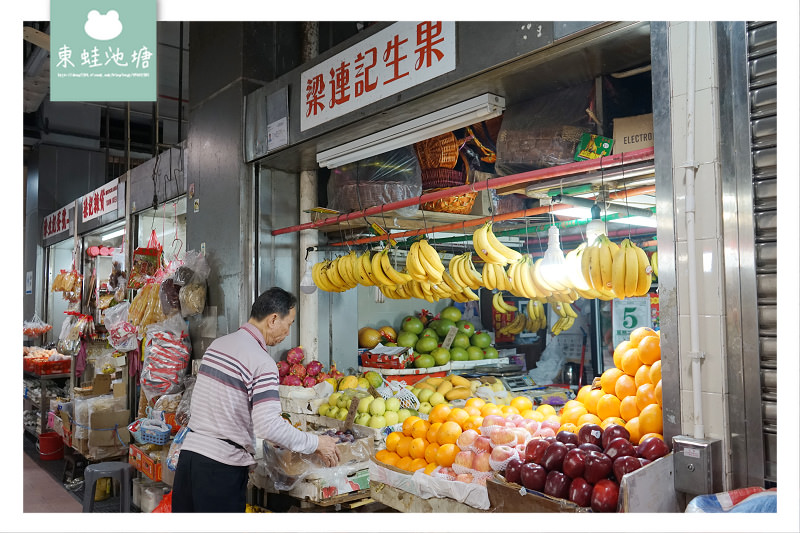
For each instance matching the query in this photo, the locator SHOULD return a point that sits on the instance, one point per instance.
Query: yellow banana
(645, 273)
(332, 271)
(618, 271)
(397, 277)
(480, 242)
(513, 276)
(497, 305)
(320, 280)
(606, 262)
(413, 265)
(455, 271)
(654, 263)
(631, 270)
(345, 270)
(488, 277)
(594, 267)
(471, 272)
(377, 268)
(431, 256)
(570, 311)
(451, 283)
(502, 277)
(470, 295)
(502, 249)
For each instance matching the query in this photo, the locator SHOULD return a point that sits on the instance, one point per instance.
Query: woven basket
(439, 178)
(460, 204)
(437, 152)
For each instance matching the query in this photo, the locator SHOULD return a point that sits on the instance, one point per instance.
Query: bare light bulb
(307, 285)
(553, 265)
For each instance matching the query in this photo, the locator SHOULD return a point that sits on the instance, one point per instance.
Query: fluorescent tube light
(439, 122)
(113, 234)
(649, 222)
(574, 212)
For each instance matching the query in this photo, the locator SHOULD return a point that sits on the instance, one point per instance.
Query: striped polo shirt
(236, 397)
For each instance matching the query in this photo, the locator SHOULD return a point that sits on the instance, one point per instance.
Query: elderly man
(236, 397)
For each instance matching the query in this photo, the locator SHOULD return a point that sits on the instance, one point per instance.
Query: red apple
(605, 496)
(571, 446)
(589, 447)
(567, 437)
(554, 456)
(520, 451)
(574, 463)
(493, 420)
(613, 431)
(515, 418)
(530, 424)
(580, 492)
(534, 450)
(513, 469)
(482, 444)
(557, 484)
(480, 462)
(591, 433)
(619, 447)
(500, 456)
(644, 462)
(464, 478)
(597, 466)
(545, 432)
(464, 459)
(652, 448)
(522, 435)
(467, 439)
(623, 465)
(503, 436)
(533, 476)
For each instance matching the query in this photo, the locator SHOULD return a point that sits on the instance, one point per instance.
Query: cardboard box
(633, 133)
(100, 428)
(145, 464)
(100, 386)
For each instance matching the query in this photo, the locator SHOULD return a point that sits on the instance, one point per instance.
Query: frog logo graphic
(102, 27)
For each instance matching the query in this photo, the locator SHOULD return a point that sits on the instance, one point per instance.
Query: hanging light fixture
(307, 285)
(596, 226)
(553, 265)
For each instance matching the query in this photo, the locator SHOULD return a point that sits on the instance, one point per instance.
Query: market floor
(42, 493)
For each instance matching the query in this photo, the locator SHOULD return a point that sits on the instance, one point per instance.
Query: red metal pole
(610, 161)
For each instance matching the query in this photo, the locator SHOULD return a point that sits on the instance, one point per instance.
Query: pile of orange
(629, 393)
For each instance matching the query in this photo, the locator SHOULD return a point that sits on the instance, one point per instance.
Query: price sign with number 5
(629, 314)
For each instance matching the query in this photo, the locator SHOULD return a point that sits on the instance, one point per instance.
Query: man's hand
(327, 450)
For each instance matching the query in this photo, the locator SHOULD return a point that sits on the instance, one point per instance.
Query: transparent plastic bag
(182, 413)
(544, 131)
(384, 178)
(167, 356)
(168, 403)
(121, 333)
(168, 293)
(175, 449)
(35, 327)
(191, 277)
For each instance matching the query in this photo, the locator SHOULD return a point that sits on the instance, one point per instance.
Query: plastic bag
(191, 277)
(69, 339)
(182, 413)
(168, 293)
(146, 262)
(544, 131)
(377, 180)
(744, 500)
(168, 402)
(146, 307)
(35, 327)
(104, 364)
(121, 333)
(175, 449)
(165, 505)
(167, 356)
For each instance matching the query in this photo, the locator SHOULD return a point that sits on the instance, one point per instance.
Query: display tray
(485, 365)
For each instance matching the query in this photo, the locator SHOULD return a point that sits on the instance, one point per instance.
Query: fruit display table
(405, 502)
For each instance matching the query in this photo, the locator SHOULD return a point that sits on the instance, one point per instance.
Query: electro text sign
(103, 50)
(401, 56)
(99, 202)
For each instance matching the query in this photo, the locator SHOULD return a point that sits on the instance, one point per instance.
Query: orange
(570, 416)
(448, 433)
(486, 406)
(509, 410)
(473, 422)
(650, 349)
(633, 428)
(651, 419)
(475, 402)
(583, 392)
(417, 464)
(625, 386)
(420, 429)
(640, 333)
(391, 459)
(417, 448)
(612, 420)
(642, 375)
(431, 435)
(655, 372)
(621, 348)
(380, 455)
(570, 404)
(546, 409)
(446, 454)
(392, 439)
(472, 410)
(569, 426)
(521, 403)
(491, 411)
(439, 413)
(648, 435)
(631, 362)
(645, 395)
(609, 378)
(592, 399)
(407, 423)
(458, 415)
(404, 463)
(627, 408)
(430, 468)
(657, 391)
(532, 414)
(588, 418)
(430, 452)
(608, 406)
(403, 446)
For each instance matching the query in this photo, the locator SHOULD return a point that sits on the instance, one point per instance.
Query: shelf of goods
(43, 404)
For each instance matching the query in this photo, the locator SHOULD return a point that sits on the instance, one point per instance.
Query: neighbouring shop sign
(398, 57)
(629, 314)
(56, 222)
(100, 201)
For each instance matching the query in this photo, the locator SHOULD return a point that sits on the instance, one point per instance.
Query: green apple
(402, 414)
(363, 404)
(377, 407)
(332, 412)
(391, 418)
(425, 408)
(333, 399)
(362, 419)
(342, 414)
(415, 391)
(425, 395)
(323, 409)
(436, 398)
(377, 422)
(392, 404)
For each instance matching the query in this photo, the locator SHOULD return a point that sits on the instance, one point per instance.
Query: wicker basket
(460, 204)
(437, 152)
(439, 178)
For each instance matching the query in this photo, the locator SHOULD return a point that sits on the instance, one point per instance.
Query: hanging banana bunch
(491, 250)
(567, 316)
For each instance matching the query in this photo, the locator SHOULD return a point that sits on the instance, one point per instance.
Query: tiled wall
(708, 229)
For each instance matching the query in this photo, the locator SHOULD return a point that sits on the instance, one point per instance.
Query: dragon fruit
(283, 368)
(322, 376)
(335, 372)
(313, 368)
(309, 381)
(295, 356)
(292, 381)
(298, 370)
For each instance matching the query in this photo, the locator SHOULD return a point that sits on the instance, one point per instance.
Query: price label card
(629, 314)
(448, 340)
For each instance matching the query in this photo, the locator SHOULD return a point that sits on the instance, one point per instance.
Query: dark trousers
(203, 485)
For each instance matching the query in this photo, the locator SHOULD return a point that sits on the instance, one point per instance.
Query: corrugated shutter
(762, 58)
